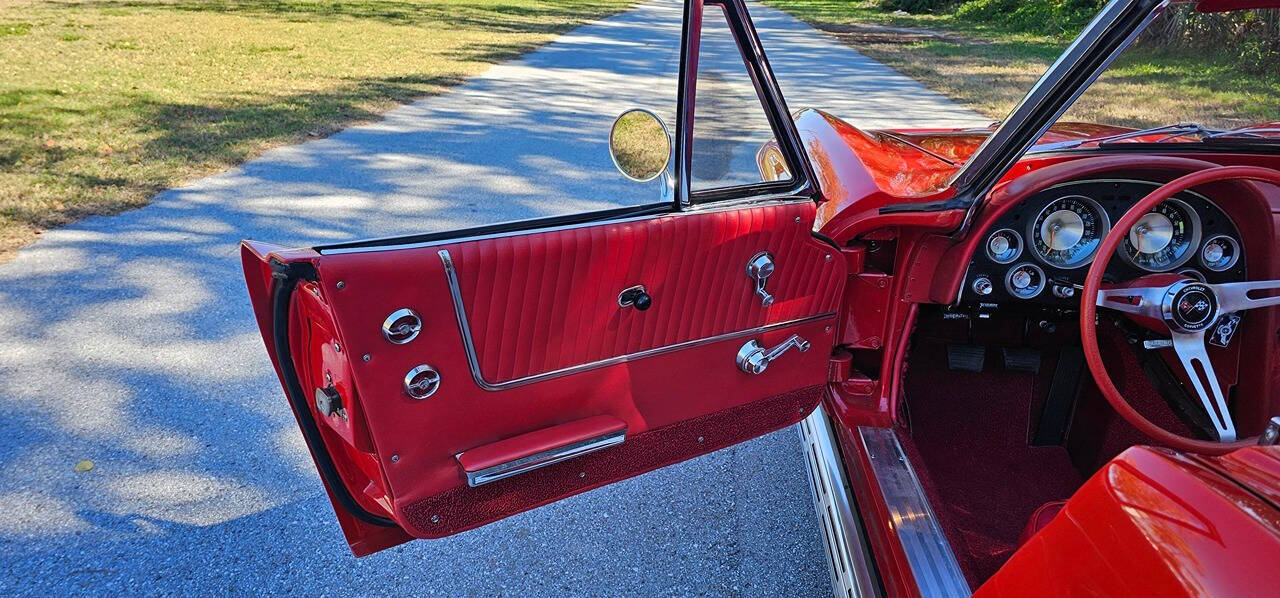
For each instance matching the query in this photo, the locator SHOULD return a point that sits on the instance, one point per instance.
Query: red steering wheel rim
(1093, 283)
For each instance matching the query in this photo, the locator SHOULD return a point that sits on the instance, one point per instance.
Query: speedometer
(1067, 232)
(1164, 238)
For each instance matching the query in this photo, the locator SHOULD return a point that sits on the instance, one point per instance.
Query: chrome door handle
(753, 358)
(759, 268)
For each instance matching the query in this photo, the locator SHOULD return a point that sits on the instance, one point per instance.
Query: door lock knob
(754, 359)
(635, 297)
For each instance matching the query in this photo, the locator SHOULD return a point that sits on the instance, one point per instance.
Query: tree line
(1252, 38)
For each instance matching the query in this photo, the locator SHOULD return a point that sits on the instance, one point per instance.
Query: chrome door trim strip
(721, 206)
(542, 459)
(913, 521)
(853, 573)
(473, 361)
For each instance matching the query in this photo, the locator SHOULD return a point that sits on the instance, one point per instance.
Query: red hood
(912, 163)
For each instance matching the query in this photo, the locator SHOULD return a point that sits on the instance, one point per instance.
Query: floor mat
(970, 430)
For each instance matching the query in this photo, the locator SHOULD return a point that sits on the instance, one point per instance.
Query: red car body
(532, 357)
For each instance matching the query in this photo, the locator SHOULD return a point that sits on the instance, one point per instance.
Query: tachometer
(1067, 232)
(1164, 238)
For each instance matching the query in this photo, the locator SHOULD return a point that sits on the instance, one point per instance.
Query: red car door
(446, 381)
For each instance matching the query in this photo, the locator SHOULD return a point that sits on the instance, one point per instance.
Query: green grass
(640, 145)
(988, 67)
(105, 102)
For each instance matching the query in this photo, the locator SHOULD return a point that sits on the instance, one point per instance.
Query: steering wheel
(1188, 309)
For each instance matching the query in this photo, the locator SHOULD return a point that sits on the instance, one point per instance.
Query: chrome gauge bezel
(1193, 274)
(1008, 281)
(1235, 257)
(1020, 245)
(1099, 212)
(1196, 233)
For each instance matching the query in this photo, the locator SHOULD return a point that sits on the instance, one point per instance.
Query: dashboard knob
(982, 285)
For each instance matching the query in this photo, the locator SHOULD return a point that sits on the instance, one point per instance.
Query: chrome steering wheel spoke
(1142, 301)
(1234, 296)
(1190, 347)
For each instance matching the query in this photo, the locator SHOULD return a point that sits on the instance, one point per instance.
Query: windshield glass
(1221, 71)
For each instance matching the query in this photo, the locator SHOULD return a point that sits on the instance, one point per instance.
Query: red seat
(1041, 518)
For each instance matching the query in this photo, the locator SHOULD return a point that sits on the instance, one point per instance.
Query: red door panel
(551, 349)
(545, 302)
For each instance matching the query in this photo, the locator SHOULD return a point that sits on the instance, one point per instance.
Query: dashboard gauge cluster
(1039, 251)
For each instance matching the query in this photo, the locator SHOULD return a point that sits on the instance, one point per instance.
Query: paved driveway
(128, 340)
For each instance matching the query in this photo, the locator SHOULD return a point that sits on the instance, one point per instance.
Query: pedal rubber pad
(1021, 359)
(966, 358)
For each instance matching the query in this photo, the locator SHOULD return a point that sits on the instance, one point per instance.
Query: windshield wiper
(916, 146)
(1171, 132)
(1252, 134)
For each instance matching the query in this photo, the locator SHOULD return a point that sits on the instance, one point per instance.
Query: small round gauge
(1067, 232)
(1220, 253)
(1004, 246)
(1024, 281)
(1162, 239)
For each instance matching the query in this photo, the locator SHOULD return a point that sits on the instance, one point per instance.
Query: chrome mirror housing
(640, 145)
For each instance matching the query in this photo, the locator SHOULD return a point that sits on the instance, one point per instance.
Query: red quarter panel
(544, 301)
(1151, 523)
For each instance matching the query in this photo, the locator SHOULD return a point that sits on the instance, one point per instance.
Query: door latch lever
(753, 358)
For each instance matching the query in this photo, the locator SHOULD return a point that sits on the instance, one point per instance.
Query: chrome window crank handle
(753, 358)
(759, 268)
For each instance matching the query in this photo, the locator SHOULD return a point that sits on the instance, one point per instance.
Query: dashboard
(1039, 251)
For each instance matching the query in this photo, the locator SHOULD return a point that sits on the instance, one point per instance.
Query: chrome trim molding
(542, 459)
(853, 574)
(720, 206)
(460, 311)
(913, 521)
(629, 302)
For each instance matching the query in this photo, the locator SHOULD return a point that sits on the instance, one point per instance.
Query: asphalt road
(128, 340)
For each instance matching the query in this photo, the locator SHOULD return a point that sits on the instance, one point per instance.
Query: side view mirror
(640, 145)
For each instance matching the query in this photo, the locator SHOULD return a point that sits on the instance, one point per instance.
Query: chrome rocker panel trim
(853, 574)
(913, 521)
(473, 361)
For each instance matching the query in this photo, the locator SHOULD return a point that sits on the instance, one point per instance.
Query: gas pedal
(1020, 359)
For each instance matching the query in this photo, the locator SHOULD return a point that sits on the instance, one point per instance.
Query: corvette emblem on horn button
(1191, 307)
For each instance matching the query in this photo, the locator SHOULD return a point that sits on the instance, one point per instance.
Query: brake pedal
(966, 358)
(1020, 359)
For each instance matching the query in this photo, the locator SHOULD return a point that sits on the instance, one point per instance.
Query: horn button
(1190, 306)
